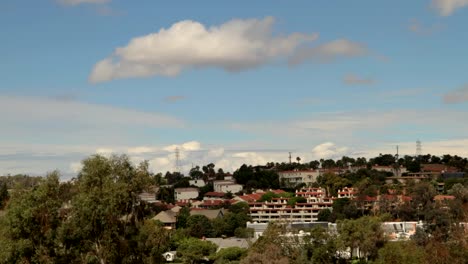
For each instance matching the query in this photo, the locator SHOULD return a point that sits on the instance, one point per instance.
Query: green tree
(3, 194)
(104, 211)
(401, 252)
(200, 226)
(152, 242)
(32, 220)
(227, 255)
(325, 215)
(320, 246)
(193, 250)
(364, 234)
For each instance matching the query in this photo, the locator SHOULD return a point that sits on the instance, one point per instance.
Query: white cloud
(328, 150)
(234, 46)
(79, 2)
(447, 7)
(76, 167)
(187, 146)
(105, 151)
(35, 160)
(352, 79)
(457, 96)
(329, 52)
(141, 150)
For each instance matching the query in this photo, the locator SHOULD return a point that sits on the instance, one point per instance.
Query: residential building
(225, 186)
(295, 177)
(279, 209)
(199, 183)
(168, 218)
(209, 213)
(183, 194)
(347, 192)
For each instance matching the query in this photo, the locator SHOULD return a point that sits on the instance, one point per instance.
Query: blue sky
(229, 82)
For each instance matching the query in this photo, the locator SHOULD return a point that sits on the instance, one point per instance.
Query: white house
(227, 186)
(181, 194)
(293, 178)
(198, 182)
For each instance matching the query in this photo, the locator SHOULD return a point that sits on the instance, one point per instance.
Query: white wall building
(278, 209)
(198, 182)
(227, 186)
(296, 177)
(181, 194)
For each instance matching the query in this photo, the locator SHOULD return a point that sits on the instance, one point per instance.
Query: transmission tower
(418, 148)
(177, 160)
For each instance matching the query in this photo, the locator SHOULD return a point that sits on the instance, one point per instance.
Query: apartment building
(295, 177)
(278, 209)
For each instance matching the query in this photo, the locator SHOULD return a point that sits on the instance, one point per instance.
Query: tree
(104, 211)
(152, 242)
(193, 250)
(32, 221)
(457, 190)
(3, 194)
(226, 255)
(273, 247)
(199, 226)
(324, 215)
(364, 234)
(401, 252)
(320, 246)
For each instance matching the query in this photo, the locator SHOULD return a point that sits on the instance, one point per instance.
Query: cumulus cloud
(187, 146)
(447, 7)
(79, 2)
(141, 150)
(233, 46)
(457, 96)
(328, 150)
(352, 79)
(329, 52)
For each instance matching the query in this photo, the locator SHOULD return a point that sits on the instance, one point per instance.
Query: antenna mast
(177, 160)
(418, 148)
(289, 157)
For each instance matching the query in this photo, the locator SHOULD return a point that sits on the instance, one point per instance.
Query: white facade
(296, 177)
(227, 186)
(181, 194)
(198, 183)
(346, 193)
(279, 210)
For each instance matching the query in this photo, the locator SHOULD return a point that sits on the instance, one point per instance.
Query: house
(170, 255)
(225, 186)
(293, 178)
(181, 194)
(198, 182)
(168, 218)
(209, 213)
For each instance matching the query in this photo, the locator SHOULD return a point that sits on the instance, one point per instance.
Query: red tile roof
(214, 194)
